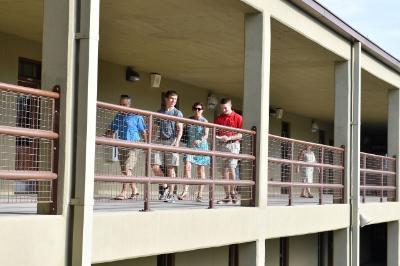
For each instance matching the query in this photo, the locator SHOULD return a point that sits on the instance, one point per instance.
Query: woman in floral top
(197, 138)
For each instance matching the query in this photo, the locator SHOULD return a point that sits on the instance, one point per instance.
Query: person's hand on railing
(197, 143)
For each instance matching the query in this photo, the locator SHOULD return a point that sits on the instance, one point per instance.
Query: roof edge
(328, 18)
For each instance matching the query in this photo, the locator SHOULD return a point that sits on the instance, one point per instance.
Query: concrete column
(355, 154)
(393, 137)
(342, 126)
(256, 93)
(252, 253)
(57, 69)
(393, 232)
(85, 88)
(393, 245)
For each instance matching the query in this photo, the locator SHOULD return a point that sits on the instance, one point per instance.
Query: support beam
(256, 93)
(57, 69)
(342, 127)
(393, 138)
(393, 228)
(87, 37)
(355, 154)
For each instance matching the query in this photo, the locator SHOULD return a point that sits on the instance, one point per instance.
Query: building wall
(303, 250)
(272, 252)
(146, 261)
(210, 257)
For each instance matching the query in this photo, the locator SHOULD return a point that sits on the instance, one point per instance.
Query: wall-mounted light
(276, 112)
(314, 126)
(212, 101)
(132, 75)
(155, 80)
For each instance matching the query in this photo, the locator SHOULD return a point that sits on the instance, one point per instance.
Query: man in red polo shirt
(228, 141)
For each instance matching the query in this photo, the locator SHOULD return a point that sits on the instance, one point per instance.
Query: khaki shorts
(169, 158)
(127, 159)
(232, 147)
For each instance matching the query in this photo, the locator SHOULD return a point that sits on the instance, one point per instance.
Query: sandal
(134, 195)
(199, 199)
(183, 195)
(121, 196)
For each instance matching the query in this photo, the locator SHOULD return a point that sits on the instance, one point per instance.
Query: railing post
(382, 168)
(213, 170)
(321, 177)
(291, 175)
(55, 150)
(364, 177)
(147, 186)
(254, 152)
(344, 183)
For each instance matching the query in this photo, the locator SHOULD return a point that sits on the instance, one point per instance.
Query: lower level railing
(28, 145)
(377, 178)
(218, 173)
(301, 172)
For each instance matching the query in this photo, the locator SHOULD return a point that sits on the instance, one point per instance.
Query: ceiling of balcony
(202, 43)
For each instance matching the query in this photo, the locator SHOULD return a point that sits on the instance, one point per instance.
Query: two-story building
(315, 182)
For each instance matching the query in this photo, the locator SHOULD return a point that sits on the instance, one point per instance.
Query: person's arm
(112, 127)
(179, 135)
(143, 129)
(301, 155)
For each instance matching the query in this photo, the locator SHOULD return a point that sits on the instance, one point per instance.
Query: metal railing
(377, 178)
(28, 145)
(109, 175)
(301, 172)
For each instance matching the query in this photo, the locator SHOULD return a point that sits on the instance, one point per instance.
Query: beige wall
(146, 261)
(11, 48)
(272, 252)
(112, 84)
(300, 127)
(210, 257)
(303, 250)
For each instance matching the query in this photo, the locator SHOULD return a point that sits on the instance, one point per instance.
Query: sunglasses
(197, 109)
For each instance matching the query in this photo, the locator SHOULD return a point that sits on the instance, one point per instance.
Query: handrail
(28, 132)
(30, 91)
(158, 147)
(306, 142)
(120, 108)
(377, 156)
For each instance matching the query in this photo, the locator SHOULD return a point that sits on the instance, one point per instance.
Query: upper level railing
(209, 155)
(377, 178)
(301, 172)
(28, 145)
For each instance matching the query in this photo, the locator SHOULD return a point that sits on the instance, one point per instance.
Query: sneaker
(234, 198)
(170, 198)
(226, 200)
(164, 194)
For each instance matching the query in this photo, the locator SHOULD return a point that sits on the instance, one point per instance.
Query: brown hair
(196, 104)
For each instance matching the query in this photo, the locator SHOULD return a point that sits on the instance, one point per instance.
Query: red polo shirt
(232, 120)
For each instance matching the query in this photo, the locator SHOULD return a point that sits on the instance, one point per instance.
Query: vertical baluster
(147, 186)
(213, 170)
(321, 177)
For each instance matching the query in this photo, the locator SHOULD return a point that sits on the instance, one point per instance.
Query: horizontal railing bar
(306, 143)
(380, 172)
(316, 165)
(30, 91)
(169, 117)
(157, 147)
(377, 156)
(299, 184)
(27, 175)
(168, 180)
(367, 187)
(28, 132)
